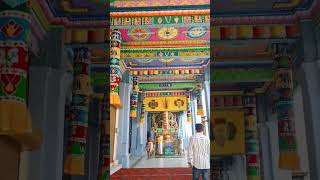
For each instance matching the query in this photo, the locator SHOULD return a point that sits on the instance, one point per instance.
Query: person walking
(199, 154)
(149, 147)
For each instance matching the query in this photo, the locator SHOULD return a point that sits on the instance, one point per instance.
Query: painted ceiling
(165, 39)
(78, 10)
(156, 34)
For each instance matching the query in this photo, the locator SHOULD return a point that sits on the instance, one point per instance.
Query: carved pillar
(288, 158)
(251, 135)
(115, 74)
(82, 91)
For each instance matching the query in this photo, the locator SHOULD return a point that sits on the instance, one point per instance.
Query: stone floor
(174, 162)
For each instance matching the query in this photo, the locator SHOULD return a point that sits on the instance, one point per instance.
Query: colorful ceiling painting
(165, 40)
(166, 57)
(127, 5)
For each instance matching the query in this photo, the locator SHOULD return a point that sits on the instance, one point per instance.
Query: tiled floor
(162, 162)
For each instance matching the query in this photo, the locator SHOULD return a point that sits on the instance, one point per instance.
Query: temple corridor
(88, 86)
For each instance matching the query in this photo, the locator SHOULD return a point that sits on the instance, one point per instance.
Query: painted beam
(166, 85)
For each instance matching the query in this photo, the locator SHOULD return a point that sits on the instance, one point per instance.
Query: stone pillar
(82, 91)
(251, 134)
(38, 91)
(208, 101)
(308, 77)
(288, 158)
(54, 125)
(264, 138)
(104, 140)
(124, 118)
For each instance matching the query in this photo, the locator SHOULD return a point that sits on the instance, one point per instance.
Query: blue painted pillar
(308, 76)
(123, 131)
(206, 87)
(193, 112)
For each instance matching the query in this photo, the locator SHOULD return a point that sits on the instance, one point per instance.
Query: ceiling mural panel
(164, 41)
(166, 33)
(166, 57)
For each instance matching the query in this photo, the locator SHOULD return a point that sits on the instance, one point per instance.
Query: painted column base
(16, 123)
(200, 112)
(253, 178)
(74, 166)
(115, 168)
(115, 100)
(289, 161)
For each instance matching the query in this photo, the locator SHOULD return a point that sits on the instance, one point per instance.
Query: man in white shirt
(199, 154)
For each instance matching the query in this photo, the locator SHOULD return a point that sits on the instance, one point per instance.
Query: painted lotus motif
(196, 32)
(139, 33)
(168, 33)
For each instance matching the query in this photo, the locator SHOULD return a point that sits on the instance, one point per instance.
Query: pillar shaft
(199, 102)
(134, 98)
(115, 74)
(288, 158)
(142, 109)
(82, 91)
(251, 137)
(14, 32)
(104, 141)
(189, 116)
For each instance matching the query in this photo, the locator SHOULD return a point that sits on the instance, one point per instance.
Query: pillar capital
(283, 50)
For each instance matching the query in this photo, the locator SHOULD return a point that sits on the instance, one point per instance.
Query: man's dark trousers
(196, 173)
